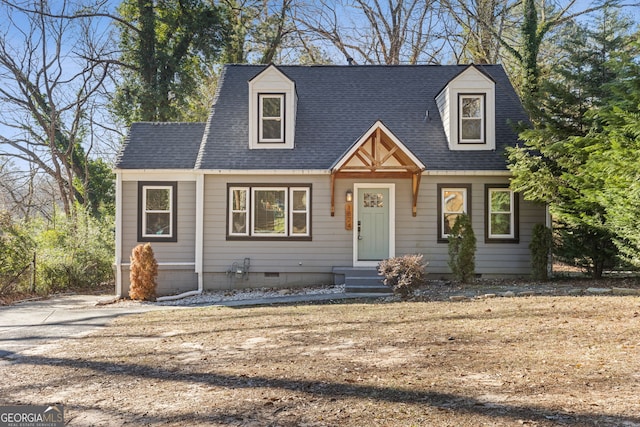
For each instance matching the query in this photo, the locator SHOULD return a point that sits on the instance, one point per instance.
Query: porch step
(360, 280)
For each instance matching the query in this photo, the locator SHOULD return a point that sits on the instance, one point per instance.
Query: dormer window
(467, 106)
(272, 110)
(472, 119)
(272, 121)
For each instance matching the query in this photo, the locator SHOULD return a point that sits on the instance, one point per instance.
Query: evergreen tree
(256, 30)
(551, 165)
(540, 246)
(615, 157)
(462, 249)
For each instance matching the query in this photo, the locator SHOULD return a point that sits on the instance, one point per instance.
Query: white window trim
(511, 213)
(262, 118)
(294, 211)
(483, 118)
(145, 211)
(444, 204)
(232, 211)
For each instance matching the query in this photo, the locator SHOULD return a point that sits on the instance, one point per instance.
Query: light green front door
(373, 224)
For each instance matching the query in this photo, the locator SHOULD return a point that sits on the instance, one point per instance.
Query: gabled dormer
(272, 110)
(467, 107)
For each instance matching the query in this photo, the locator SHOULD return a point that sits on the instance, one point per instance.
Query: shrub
(403, 274)
(589, 247)
(144, 272)
(73, 252)
(462, 249)
(540, 247)
(16, 254)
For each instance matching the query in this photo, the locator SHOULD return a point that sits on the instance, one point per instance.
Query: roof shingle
(161, 146)
(336, 105)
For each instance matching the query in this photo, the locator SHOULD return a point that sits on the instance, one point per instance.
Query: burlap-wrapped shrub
(144, 272)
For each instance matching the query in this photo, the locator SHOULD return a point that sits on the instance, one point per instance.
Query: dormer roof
(270, 69)
(469, 69)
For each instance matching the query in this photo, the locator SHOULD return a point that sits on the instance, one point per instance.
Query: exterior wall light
(348, 210)
(349, 196)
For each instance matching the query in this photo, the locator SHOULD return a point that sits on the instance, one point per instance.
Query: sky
(15, 33)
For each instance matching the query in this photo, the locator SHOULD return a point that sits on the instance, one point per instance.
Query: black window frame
(515, 213)
(283, 113)
(482, 140)
(440, 188)
(250, 212)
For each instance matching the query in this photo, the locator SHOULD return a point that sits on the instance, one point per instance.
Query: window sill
(151, 239)
(270, 238)
(512, 240)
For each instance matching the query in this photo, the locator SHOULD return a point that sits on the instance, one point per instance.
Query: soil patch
(542, 360)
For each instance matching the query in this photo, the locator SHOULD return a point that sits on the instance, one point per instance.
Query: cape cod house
(303, 173)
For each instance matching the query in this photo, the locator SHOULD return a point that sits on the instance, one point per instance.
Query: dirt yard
(533, 361)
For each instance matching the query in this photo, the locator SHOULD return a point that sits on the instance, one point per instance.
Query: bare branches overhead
(47, 91)
(373, 32)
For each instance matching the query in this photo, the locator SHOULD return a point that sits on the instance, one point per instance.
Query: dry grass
(542, 361)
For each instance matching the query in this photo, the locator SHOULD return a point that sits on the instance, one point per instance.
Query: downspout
(118, 239)
(199, 241)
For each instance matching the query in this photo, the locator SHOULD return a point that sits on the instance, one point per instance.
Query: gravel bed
(213, 297)
(433, 290)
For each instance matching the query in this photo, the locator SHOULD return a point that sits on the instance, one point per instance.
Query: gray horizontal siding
(183, 250)
(491, 258)
(171, 280)
(332, 244)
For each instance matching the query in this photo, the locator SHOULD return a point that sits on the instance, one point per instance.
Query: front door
(373, 231)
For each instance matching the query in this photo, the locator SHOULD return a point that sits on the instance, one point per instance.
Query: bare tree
(258, 29)
(480, 27)
(49, 86)
(373, 32)
(25, 192)
(514, 32)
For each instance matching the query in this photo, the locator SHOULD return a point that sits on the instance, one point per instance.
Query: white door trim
(357, 187)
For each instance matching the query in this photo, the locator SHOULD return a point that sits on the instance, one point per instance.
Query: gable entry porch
(371, 163)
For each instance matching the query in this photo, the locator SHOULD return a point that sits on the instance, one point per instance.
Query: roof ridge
(169, 123)
(358, 65)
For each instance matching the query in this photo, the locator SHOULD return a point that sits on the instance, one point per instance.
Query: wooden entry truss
(379, 154)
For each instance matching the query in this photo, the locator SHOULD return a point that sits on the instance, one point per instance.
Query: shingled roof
(336, 105)
(161, 146)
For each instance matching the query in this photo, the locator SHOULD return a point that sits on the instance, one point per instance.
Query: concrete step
(360, 280)
(363, 280)
(367, 289)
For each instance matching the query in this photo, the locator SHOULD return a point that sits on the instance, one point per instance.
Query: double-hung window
(157, 205)
(238, 211)
(472, 118)
(271, 118)
(277, 212)
(501, 216)
(454, 200)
